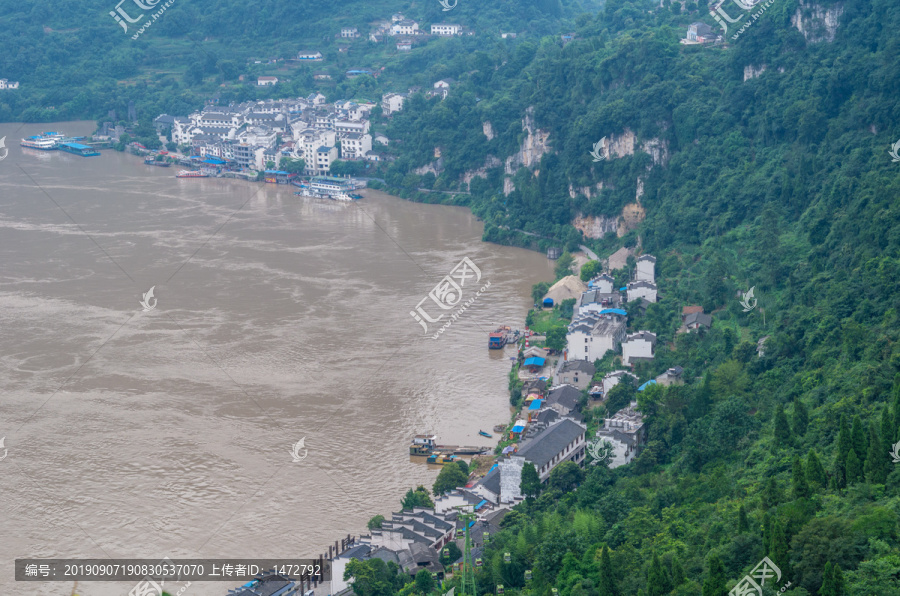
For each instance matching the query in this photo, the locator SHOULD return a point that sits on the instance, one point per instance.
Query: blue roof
(623, 288)
(481, 504)
(536, 404)
(535, 361)
(213, 160)
(644, 386)
(76, 145)
(518, 428)
(548, 300)
(492, 469)
(276, 172)
(471, 523)
(615, 311)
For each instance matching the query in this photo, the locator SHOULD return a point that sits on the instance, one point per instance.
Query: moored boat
(152, 162)
(440, 459)
(191, 174)
(46, 141)
(484, 434)
(498, 338)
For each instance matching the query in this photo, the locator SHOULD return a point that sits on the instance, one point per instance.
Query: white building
(355, 145)
(641, 289)
(625, 431)
(646, 269)
(612, 379)
(392, 102)
(445, 29)
(266, 81)
(325, 156)
(7, 84)
(603, 283)
(309, 55)
(349, 32)
(638, 346)
(591, 336)
(405, 27)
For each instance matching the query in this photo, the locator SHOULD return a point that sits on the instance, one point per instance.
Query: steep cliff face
(621, 145)
(751, 72)
(488, 130)
(588, 191)
(489, 162)
(816, 22)
(533, 146)
(595, 226)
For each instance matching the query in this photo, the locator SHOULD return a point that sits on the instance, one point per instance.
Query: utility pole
(468, 579)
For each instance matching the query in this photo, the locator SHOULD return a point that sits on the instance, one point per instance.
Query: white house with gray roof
(562, 441)
(592, 335)
(577, 373)
(645, 269)
(641, 289)
(625, 431)
(638, 346)
(613, 378)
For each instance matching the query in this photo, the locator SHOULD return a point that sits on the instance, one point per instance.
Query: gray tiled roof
(565, 395)
(547, 445)
(579, 366)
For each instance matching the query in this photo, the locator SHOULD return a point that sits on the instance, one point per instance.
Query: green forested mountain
(782, 182)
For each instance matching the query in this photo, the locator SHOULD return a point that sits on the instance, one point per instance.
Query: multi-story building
(349, 32)
(445, 29)
(592, 335)
(405, 27)
(355, 145)
(638, 346)
(625, 431)
(392, 102)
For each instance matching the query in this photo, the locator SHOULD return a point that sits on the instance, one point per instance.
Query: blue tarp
(644, 386)
(480, 505)
(615, 311)
(623, 288)
(548, 301)
(518, 428)
(536, 404)
(535, 361)
(214, 161)
(276, 172)
(76, 145)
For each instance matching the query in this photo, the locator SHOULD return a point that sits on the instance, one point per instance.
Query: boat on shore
(46, 141)
(499, 428)
(499, 338)
(440, 459)
(485, 434)
(191, 174)
(427, 445)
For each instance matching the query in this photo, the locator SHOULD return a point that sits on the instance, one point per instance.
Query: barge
(427, 445)
(78, 149)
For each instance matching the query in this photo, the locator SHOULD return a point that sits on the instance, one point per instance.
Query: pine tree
(678, 576)
(530, 486)
(840, 584)
(782, 428)
(877, 462)
(798, 479)
(767, 530)
(845, 444)
(658, 583)
(860, 441)
(815, 473)
(887, 428)
(743, 524)
(607, 585)
(801, 418)
(716, 581)
(897, 407)
(771, 495)
(778, 550)
(854, 468)
(827, 588)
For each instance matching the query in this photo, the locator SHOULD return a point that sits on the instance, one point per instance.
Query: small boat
(152, 162)
(499, 428)
(484, 434)
(440, 459)
(191, 174)
(498, 338)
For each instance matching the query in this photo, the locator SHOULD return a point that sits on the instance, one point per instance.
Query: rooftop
(547, 445)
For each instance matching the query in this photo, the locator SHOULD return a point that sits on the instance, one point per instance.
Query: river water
(168, 432)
